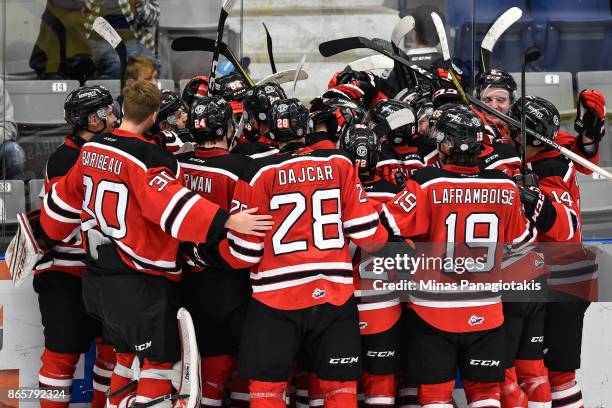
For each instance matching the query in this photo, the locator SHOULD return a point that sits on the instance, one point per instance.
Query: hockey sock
(122, 376)
(216, 374)
(407, 396)
(302, 383)
(481, 394)
(315, 394)
(102, 372)
(564, 390)
(532, 376)
(267, 394)
(154, 381)
(512, 396)
(240, 392)
(339, 394)
(436, 395)
(56, 374)
(379, 390)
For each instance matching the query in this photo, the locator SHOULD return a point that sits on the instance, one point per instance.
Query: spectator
(135, 21)
(139, 68)
(12, 156)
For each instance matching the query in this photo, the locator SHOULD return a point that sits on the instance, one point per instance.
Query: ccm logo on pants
(381, 354)
(537, 339)
(484, 363)
(344, 360)
(143, 346)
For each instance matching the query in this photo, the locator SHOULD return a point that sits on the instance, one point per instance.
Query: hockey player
(169, 129)
(301, 271)
(331, 113)
(379, 311)
(557, 217)
(212, 172)
(257, 103)
(125, 194)
(448, 329)
(68, 329)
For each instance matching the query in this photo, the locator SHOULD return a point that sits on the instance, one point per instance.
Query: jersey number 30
(115, 209)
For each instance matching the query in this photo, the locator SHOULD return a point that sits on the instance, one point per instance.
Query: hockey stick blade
(297, 74)
(509, 17)
(333, 47)
(403, 27)
(108, 33)
(283, 77)
(269, 46)
(372, 62)
(551, 143)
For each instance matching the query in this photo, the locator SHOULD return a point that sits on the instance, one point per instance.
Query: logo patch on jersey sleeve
(474, 320)
(318, 293)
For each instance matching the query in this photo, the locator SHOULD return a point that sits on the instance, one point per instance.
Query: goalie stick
(283, 77)
(269, 45)
(510, 16)
(108, 33)
(193, 43)
(225, 8)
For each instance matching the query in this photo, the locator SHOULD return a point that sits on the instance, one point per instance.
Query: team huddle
(262, 217)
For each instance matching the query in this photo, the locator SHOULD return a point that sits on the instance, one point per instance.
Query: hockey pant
(57, 372)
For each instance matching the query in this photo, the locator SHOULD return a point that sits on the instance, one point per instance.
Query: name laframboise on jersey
(102, 162)
(474, 196)
(304, 174)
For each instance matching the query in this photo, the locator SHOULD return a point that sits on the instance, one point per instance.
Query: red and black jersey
(65, 257)
(500, 156)
(572, 267)
(316, 201)
(405, 159)
(319, 140)
(458, 212)
(131, 190)
(572, 143)
(428, 152)
(378, 309)
(261, 148)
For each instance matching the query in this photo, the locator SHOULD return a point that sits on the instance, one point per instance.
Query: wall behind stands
(21, 342)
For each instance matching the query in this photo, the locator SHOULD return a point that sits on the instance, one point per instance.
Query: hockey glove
(538, 208)
(526, 180)
(591, 115)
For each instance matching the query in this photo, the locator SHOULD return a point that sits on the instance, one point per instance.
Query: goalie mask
(259, 99)
(541, 116)
(86, 100)
(210, 118)
(394, 120)
(362, 145)
(288, 120)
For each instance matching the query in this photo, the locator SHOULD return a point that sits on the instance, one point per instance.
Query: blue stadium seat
(570, 10)
(459, 12)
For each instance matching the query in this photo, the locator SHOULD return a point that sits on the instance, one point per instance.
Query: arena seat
(600, 80)
(459, 12)
(167, 84)
(40, 102)
(182, 84)
(595, 206)
(12, 200)
(35, 187)
(555, 86)
(568, 10)
(114, 85)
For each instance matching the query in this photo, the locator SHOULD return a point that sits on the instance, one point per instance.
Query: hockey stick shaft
(108, 33)
(227, 5)
(550, 143)
(501, 25)
(269, 45)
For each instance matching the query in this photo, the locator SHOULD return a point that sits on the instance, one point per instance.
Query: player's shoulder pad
(150, 154)
(493, 174)
(232, 162)
(61, 161)
(557, 166)
(429, 173)
(382, 186)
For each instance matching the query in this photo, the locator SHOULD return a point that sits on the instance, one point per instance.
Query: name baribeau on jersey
(473, 196)
(102, 162)
(305, 174)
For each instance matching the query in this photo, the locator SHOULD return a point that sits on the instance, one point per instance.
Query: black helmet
(169, 105)
(362, 144)
(541, 116)
(460, 127)
(231, 87)
(394, 119)
(288, 120)
(196, 87)
(419, 99)
(83, 101)
(496, 78)
(336, 112)
(210, 118)
(259, 99)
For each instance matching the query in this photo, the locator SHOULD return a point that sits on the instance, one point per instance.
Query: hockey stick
(550, 143)
(530, 55)
(283, 77)
(446, 53)
(371, 63)
(192, 43)
(225, 8)
(403, 27)
(108, 33)
(510, 16)
(269, 45)
(333, 47)
(297, 74)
